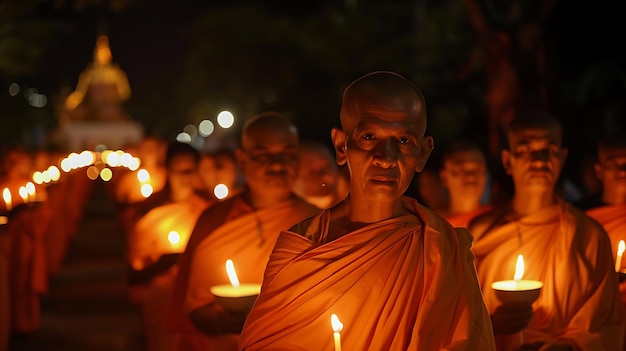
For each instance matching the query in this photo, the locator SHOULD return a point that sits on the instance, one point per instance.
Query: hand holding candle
(620, 251)
(337, 327)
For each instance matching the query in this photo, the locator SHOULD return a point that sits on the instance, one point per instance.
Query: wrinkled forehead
(549, 135)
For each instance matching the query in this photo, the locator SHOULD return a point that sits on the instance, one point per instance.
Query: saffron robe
(462, 220)
(570, 253)
(613, 219)
(405, 283)
(148, 242)
(246, 236)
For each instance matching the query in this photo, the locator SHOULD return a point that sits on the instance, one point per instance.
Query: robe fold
(462, 220)
(406, 283)
(243, 235)
(570, 253)
(613, 219)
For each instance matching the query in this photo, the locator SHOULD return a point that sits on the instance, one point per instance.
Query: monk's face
(611, 169)
(182, 174)
(383, 144)
(464, 173)
(317, 176)
(535, 158)
(269, 159)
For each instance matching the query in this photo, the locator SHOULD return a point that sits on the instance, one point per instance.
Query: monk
(464, 175)
(318, 176)
(579, 305)
(397, 275)
(159, 236)
(611, 171)
(242, 228)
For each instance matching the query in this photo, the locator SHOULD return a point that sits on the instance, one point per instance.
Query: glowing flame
(335, 323)
(146, 190)
(621, 247)
(23, 193)
(6, 195)
(30, 187)
(220, 191)
(143, 175)
(173, 237)
(38, 177)
(54, 173)
(519, 268)
(232, 274)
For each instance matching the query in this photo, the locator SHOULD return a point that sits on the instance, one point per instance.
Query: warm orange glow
(54, 173)
(232, 274)
(6, 195)
(336, 323)
(30, 188)
(4, 220)
(620, 251)
(23, 193)
(519, 268)
(143, 175)
(106, 174)
(93, 172)
(37, 177)
(66, 166)
(220, 191)
(146, 190)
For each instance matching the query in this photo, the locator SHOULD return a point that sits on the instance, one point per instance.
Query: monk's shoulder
(586, 225)
(487, 221)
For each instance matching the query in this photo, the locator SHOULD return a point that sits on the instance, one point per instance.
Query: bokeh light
(206, 128)
(146, 190)
(225, 119)
(106, 174)
(183, 138)
(220, 191)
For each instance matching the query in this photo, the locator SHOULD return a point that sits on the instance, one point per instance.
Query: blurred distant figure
(216, 168)
(100, 91)
(430, 191)
(318, 176)
(464, 175)
(611, 170)
(160, 235)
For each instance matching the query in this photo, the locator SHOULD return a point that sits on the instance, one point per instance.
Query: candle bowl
(236, 299)
(517, 292)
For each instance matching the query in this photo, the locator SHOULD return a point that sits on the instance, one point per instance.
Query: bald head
(537, 120)
(384, 94)
(266, 123)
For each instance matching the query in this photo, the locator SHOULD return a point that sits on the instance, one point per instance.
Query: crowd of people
(341, 231)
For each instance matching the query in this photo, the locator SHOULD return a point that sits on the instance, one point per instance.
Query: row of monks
(338, 234)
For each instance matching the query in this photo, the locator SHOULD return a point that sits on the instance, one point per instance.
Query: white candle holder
(236, 298)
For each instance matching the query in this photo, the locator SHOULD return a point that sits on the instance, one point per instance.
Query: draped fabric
(570, 253)
(462, 220)
(406, 283)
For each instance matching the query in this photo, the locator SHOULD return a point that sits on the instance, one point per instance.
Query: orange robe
(570, 253)
(246, 236)
(395, 285)
(147, 243)
(613, 219)
(462, 220)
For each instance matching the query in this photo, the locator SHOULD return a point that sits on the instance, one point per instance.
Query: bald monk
(242, 228)
(579, 306)
(397, 275)
(153, 248)
(464, 175)
(318, 177)
(611, 171)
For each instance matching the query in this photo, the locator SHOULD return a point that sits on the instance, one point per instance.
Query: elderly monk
(242, 228)
(464, 175)
(611, 170)
(160, 235)
(579, 306)
(398, 276)
(318, 176)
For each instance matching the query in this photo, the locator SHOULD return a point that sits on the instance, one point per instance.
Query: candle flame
(6, 195)
(173, 237)
(23, 193)
(335, 323)
(220, 191)
(30, 187)
(232, 274)
(621, 247)
(519, 268)
(146, 190)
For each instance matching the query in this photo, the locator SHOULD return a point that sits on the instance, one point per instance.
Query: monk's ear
(240, 156)
(339, 141)
(426, 146)
(506, 161)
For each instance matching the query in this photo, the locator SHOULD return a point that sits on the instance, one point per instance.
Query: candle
(337, 327)
(30, 187)
(6, 195)
(620, 251)
(23, 194)
(235, 289)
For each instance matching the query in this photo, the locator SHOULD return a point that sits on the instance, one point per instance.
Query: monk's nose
(387, 154)
(541, 155)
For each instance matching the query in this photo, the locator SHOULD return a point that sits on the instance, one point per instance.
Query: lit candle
(620, 251)
(30, 187)
(220, 191)
(235, 289)
(337, 327)
(23, 194)
(6, 195)
(174, 238)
